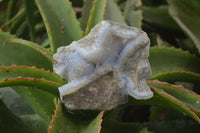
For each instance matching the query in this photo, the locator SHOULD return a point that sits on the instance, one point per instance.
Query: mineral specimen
(104, 67)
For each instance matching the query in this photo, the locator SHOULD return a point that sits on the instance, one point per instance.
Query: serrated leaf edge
(54, 116)
(100, 121)
(27, 67)
(167, 94)
(181, 72)
(37, 47)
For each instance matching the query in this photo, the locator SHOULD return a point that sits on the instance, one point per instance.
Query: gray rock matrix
(104, 67)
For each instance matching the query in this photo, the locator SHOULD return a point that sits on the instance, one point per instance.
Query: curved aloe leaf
(4, 36)
(35, 46)
(29, 7)
(60, 21)
(15, 18)
(40, 101)
(133, 16)
(188, 97)
(186, 14)
(29, 123)
(113, 12)
(8, 119)
(28, 72)
(97, 14)
(95, 125)
(178, 77)
(43, 84)
(164, 99)
(159, 17)
(18, 21)
(86, 13)
(33, 123)
(62, 123)
(21, 52)
(165, 59)
(12, 8)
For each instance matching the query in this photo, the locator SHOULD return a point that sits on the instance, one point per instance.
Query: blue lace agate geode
(104, 67)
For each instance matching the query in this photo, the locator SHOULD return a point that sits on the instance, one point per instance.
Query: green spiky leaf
(29, 123)
(21, 52)
(8, 119)
(165, 59)
(29, 7)
(62, 123)
(133, 16)
(60, 21)
(159, 17)
(186, 14)
(186, 96)
(178, 77)
(43, 84)
(164, 99)
(97, 14)
(86, 13)
(40, 101)
(28, 72)
(113, 12)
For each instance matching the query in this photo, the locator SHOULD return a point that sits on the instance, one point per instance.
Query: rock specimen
(104, 67)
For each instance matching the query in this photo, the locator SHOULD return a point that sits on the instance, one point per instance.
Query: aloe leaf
(43, 84)
(8, 119)
(164, 99)
(2, 16)
(29, 7)
(62, 123)
(29, 123)
(188, 97)
(60, 21)
(132, 16)
(186, 14)
(165, 59)
(35, 46)
(21, 52)
(161, 42)
(87, 6)
(23, 31)
(12, 8)
(159, 17)
(97, 14)
(187, 44)
(169, 100)
(40, 101)
(33, 123)
(28, 72)
(19, 14)
(16, 21)
(4, 36)
(113, 12)
(179, 76)
(95, 125)
(14, 102)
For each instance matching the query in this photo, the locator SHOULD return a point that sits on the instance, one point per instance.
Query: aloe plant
(31, 31)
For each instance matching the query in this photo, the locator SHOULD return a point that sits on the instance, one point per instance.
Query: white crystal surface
(112, 60)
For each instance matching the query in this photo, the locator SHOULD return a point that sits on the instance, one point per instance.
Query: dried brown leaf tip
(104, 67)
